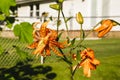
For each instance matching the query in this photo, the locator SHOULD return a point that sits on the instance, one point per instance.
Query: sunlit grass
(106, 50)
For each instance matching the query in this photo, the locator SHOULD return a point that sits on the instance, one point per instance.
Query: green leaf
(10, 21)
(5, 6)
(68, 39)
(59, 35)
(9, 25)
(60, 1)
(2, 17)
(73, 41)
(24, 32)
(55, 6)
(23, 55)
(68, 19)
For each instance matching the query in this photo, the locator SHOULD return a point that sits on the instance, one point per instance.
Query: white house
(92, 10)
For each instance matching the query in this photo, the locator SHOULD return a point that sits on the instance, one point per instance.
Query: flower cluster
(106, 26)
(88, 61)
(45, 39)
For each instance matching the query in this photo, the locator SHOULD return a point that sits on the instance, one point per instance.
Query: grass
(106, 50)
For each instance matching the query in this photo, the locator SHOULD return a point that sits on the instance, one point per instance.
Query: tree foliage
(5, 12)
(24, 32)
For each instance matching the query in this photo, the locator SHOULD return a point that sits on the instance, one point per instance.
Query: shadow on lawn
(23, 71)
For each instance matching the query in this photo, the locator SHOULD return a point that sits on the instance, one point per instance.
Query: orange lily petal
(102, 33)
(43, 29)
(55, 51)
(47, 50)
(53, 35)
(87, 53)
(86, 68)
(88, 62)
(105, 27)
(33, 45)
(57, 44)
(105, 24)
(90, 53)
(95, 62)
(40, 47)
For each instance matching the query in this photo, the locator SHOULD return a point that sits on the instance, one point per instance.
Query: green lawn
(106, 50)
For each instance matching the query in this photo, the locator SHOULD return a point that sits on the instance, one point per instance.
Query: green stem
(64, 57)
(58, 19)
(116, 22)
(81, 32)
(71, 66)
(81, 40)
(64, 20)
(75, 69)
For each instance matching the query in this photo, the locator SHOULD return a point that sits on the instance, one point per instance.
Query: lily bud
(79, 18)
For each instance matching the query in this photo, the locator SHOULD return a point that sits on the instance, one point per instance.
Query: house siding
(93, 11)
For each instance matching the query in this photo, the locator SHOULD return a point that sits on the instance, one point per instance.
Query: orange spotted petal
(53, 35)
(90, 53)
(47, 51)
(43, 29)
(54, 50)
(87, 53)
(40, 47)
(33, 45)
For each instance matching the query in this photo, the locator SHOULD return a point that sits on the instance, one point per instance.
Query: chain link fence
(9, 57)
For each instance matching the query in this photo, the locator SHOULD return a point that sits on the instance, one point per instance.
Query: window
(37, 10)
(31, 10)
(34, 10)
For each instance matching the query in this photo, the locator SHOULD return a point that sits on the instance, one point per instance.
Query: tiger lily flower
(88, 61)
(106, 26)
(45, 41)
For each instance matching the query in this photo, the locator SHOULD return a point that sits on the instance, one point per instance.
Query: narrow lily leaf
(68, 19)
(73, 41)
(24, 32)
(55, 6)
(59, 35)
(68, 40)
